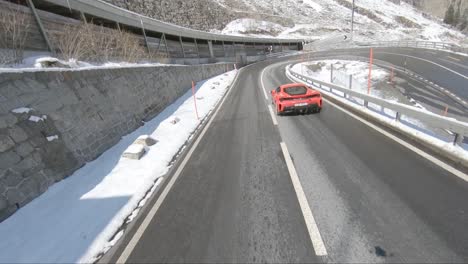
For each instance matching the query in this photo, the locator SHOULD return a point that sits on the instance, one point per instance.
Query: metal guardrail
(346, 42)
(460, 129)
(416, 44)
(110, 12)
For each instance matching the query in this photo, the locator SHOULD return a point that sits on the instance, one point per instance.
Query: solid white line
(314, 232)
(441, 66)
(418, 151)
(141, 229)
(275, 122)
(261, 82)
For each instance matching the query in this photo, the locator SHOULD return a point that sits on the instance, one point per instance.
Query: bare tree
(14, 31)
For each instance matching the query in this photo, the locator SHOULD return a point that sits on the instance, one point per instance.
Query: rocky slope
(457, 17)
(374, 20)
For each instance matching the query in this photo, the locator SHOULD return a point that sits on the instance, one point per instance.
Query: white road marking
(314, 232)
(441, 66)
(275, 122)
(418, 151)
(142, 228)
(270, 109)
(263, 86)
(455, 59)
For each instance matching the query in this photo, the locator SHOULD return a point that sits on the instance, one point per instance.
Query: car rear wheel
(278, 112)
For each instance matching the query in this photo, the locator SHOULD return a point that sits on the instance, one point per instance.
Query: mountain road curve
(322, 188)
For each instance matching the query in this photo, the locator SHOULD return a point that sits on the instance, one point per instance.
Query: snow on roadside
(341, 71)
(80, 217)
(39, 62)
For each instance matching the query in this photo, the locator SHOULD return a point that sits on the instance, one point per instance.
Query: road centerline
(312, 228)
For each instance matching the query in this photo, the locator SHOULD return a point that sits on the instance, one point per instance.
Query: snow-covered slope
(374, 20)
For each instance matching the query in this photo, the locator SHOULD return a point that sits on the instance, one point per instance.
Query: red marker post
(446, 111)
(195, 99)
(369, 80)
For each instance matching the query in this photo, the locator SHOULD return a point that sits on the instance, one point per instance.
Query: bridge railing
(458, 128)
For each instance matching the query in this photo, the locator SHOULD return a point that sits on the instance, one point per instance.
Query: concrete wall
(88, 110)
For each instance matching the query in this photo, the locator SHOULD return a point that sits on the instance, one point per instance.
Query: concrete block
(17, 134)
(134, 151)
(145, 140)
(11, 178)
(8, 159)
(6, 143)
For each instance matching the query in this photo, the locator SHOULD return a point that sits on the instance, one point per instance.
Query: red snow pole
(195, 99)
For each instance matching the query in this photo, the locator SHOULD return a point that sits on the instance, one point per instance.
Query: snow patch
(52, 138)
(36, 118)
(22, 110)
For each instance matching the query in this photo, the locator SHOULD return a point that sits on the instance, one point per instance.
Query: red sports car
(297, 98)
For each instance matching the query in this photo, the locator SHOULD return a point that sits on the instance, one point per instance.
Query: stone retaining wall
(75, 116)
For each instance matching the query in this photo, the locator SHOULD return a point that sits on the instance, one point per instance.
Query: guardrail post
(196, 47)
(165, 44)
(350, 81)
(210, 47)
(398, 117)
(182, 46)
(458, 139)
(144, 35)
(366, 104)
(41, 27)
(331, 73)
(224, 49)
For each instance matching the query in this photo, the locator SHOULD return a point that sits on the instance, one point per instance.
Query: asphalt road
(372, 200)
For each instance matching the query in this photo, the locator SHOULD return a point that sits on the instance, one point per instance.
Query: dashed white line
(312, 228)
(273, 117)
(263, 86)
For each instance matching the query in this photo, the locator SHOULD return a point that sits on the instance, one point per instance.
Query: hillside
(454, 12)
(374, 20)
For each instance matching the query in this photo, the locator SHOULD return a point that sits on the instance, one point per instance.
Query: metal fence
(459, 129)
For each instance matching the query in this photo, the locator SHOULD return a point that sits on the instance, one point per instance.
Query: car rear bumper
(301, 109)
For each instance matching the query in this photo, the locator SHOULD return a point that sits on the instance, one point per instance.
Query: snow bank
(48, 63)
(76, 219)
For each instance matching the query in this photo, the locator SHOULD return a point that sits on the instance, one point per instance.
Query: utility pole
(352, 19)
